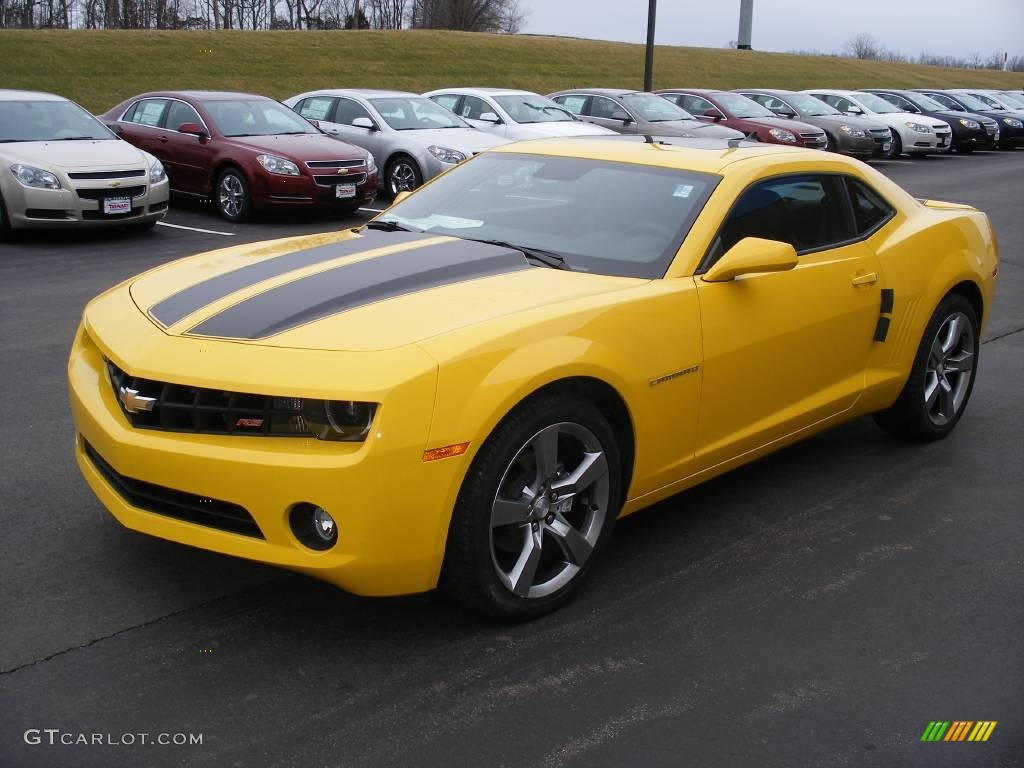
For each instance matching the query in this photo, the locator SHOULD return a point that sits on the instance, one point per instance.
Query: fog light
(313, 526)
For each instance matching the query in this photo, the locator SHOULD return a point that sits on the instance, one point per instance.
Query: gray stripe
(352, 285)
(183, 303)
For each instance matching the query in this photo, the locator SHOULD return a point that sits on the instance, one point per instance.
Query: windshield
(992, 102)
(741, 106)
(808, 105)
(529, 108)
(1015, 100)
(971, 103)
(876, 103)
(255, 117)
(925, 103)
(654, 109)
(610, 218)
(411, 113)
(49, 121)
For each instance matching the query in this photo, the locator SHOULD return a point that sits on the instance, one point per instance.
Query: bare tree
(863, 46)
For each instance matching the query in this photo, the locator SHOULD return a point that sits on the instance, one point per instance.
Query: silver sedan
(411, 138)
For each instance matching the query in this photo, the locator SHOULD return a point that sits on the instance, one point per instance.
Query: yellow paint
(771, 357)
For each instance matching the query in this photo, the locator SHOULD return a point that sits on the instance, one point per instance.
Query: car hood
(521, 131)
(783, 123)
(304, 147)
(951, 115)
(891, 118)
(694, 128)
(851, 120)
(93, 155)
(353, 291)
(465, 140)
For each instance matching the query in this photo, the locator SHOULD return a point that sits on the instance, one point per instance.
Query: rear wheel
(536, 509)
(940, 383)
(232, 196)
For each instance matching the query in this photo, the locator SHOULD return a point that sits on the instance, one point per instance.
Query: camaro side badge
(676, 375)
(133, 402)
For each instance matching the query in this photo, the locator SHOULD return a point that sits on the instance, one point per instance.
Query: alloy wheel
(403, 177)
(949, 368)
(231, 195)
(549, 510)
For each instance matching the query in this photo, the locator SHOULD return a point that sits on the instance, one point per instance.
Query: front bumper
(863, 147)
(276, 191)
(80, 204)
(935, 142)
(975, 138)
(1009, 136)
(392, 509)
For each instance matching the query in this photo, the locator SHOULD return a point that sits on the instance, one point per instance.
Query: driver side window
(348, 111)
(602, 107)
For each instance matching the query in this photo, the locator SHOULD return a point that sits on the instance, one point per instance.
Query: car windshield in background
(609, 218)
(655, 109)
(241, 117)
(1017, 102)
(972, 103)
(741, 106)
(49, 121)
(809, 105)
(414, 113)
(876, 103)
(925, 103)
(992, 102)
(533, 109)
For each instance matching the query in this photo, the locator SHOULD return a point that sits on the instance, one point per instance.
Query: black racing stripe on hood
(169, 311)
(353, 285)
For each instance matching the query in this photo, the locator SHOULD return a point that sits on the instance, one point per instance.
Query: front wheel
(535, 510)
(403, 175)
(940, 383)
(234, 202)
(5, 224)
(897, 147)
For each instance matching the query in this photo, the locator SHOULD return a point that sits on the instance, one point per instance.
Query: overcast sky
(954, 27)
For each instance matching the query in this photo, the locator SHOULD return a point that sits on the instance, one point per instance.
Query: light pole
(746, 23)
(652, 12)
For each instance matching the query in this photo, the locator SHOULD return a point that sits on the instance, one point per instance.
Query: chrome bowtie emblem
(133, 402)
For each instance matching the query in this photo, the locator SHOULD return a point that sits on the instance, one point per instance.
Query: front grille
(335, 163)
(45, 213)
(990, 129)
(341, 178)
(812, 135)
(880, 132)
(106, 175)
(101, 216)
(105, 192)
(180, 505)
(198, 410)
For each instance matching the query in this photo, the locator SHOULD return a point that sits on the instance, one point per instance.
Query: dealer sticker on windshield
(345, 190)
(683, 190)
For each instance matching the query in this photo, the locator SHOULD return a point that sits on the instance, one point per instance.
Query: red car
(246, 152)
(746, 115)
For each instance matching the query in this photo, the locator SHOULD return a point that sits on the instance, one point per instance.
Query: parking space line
(373, 210)
(195, 229)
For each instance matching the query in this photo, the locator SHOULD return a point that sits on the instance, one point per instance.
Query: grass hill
(100, 68)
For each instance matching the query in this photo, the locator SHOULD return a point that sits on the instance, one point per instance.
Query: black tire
(897, 147)
(476, 546)
(232, 197)
(6, 232)
(963, 150)
(832, 144)
(403, 174)
(912, 416)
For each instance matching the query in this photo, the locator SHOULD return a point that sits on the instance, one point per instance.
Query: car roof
(766, 91)
(599, 91)
(688, 90)
(832, 91)
(12, 94)
(366, 93)
(201, 96)
(473, 91)
(700, 155)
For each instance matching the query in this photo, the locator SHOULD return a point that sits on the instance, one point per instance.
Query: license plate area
(345, 191)
(117, 206)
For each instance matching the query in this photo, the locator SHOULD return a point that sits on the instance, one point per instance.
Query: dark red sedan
(245, 152)
(746, 115)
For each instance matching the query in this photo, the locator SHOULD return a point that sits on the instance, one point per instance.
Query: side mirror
(365, 122)
(401, 196)
(714, 114)
(622, 117)
(116, 128)
(854, 110)
(490, 117)
(314, 123)
(752, 255)
(193, 129)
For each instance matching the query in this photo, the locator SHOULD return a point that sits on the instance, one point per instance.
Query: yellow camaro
(468, 391)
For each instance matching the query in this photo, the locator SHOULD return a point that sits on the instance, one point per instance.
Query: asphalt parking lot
(816, 608)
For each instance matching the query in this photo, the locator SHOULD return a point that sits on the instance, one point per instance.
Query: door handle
(867, 279)
(162, 139)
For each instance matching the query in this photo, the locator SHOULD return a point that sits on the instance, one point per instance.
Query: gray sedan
(639, 113)
(412, 139)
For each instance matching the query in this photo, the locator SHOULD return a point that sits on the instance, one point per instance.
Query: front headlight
(918, 127)
(974, 125)
(781, 135)
(157, 172)
(278, 165)
(371, 164)
(338, 420)
(30, 176)
(857, 133)
(445, 155)
(1013, 122)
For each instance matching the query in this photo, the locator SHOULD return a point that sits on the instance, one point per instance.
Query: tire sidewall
(484, 476)
(897, 146)
(393, 163)
(246, 202)
(6, 231)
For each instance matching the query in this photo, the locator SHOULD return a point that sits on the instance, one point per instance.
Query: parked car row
(335, 148)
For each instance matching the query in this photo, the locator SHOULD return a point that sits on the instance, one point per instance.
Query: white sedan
(912, 134)
(514, 115)
(61, 167)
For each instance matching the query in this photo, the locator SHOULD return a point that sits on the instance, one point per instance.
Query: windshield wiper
(80, 138)
(389, 225)
(539, 255)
